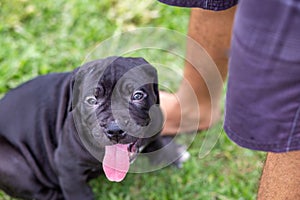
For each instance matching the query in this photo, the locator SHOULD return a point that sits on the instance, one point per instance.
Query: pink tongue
(116, 162)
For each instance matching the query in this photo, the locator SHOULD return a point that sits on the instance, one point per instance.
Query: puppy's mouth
(117, 160)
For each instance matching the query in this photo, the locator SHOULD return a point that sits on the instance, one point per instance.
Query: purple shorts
(263, 92)
(205, 4)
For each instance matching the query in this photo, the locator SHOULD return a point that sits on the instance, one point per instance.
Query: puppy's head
(116, 110)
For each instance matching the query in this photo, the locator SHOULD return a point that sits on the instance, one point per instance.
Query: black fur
(42, 152)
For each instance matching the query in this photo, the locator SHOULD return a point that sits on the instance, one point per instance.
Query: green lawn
(38, 37)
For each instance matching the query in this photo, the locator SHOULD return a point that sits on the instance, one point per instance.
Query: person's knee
(281, 176)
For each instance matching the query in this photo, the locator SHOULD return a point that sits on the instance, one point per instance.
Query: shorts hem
(205, 4)
(276, 148)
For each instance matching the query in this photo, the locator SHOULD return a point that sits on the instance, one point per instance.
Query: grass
(39, 37)
(227, 172)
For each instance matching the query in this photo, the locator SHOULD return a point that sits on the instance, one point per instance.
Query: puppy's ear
(156, 90)
(86, 77)
(153, 73)
(72, 86)
(78, 84)
(155, 84)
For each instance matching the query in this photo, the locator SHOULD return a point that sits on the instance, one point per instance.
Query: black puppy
(57, 130)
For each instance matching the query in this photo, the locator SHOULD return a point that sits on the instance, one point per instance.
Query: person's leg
(212, 30)
(281, 177)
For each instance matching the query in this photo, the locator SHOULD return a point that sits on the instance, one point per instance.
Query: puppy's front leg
(72, 177)
(72, 164)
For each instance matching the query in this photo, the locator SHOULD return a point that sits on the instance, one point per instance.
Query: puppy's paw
(175, 150)
(166, 151)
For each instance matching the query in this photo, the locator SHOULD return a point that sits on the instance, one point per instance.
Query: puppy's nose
(113, 131)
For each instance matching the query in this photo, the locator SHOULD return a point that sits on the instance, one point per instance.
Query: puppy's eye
(138, 95)
(91, 101)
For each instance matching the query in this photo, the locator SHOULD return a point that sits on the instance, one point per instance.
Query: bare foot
(185, 116)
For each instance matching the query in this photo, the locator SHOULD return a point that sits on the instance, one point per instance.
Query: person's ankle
(186, 117)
